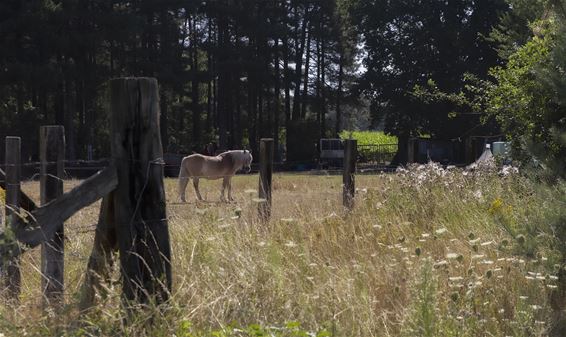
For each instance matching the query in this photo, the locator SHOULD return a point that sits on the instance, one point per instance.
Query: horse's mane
(239, 155)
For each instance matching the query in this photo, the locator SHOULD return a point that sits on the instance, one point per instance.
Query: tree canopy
(233, 71)
(527, 95)
(408, 43)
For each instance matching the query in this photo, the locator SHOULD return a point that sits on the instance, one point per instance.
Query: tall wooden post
(411, 155)
(348, 178)
(101, 257)
(52, 155)
(140, 217)
(13, 177)
(265, 174)
(468, 150)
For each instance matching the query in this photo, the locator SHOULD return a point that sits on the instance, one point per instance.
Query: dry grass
(424, 240)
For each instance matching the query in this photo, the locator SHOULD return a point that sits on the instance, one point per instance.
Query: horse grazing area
(424, 252)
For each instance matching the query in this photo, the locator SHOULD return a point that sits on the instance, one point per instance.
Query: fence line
(387, 169)
(315, 172)
(113, 185)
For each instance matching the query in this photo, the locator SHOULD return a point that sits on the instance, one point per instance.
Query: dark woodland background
(233, 71)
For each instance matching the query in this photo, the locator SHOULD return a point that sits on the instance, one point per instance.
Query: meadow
(425, 252)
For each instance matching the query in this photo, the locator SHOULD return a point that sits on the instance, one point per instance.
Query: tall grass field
(425, 252)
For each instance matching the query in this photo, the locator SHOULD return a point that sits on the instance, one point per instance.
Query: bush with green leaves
(369, 137)
(528, 98)
(367, 140)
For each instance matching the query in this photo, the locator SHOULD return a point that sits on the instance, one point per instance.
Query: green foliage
(526, 95)
(422, 320)
(514, 28)
(519, 93)
(471, 98)
(366, 145)
(527, 98)
(409, 42)
(369, 137)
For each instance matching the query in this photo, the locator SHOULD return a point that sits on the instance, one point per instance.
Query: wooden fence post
(140, 216)
(469, 150)
(52, 155)
(348, 178)
(411, 154)
(265, 174)
(13, 177)
(101, 257)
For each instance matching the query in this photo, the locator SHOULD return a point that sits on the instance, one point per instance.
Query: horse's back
(202, 166)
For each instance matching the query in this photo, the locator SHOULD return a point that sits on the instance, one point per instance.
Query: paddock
(341, 255)
(314, 261)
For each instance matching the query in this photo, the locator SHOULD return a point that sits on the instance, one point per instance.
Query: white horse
(223, 166)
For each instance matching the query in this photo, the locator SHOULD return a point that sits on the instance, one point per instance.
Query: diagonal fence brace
(40, 224)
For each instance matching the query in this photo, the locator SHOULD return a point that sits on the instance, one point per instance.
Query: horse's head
(247, 160)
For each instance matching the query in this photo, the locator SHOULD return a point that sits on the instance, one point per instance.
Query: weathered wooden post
(469, 150)
(101, 257)
(13, 177)
(348, 178)
(140, 216)
(265, 174)
(52, 155)
(411, 155)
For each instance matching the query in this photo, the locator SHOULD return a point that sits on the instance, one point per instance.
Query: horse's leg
(225, 183)
(230, 188)
(183, 181)
(195, 184)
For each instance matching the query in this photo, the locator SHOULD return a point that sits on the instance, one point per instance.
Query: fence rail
(30, 171)
(133, 218)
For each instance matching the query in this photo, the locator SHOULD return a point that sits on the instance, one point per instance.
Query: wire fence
(159, 161)
(378, 154)
(172, 171)
(371, 158)
(76, 227)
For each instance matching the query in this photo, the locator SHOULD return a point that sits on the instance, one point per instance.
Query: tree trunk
(70, 134)
(164, 118)
(195, 94)
(401, 157)
(299, 65)
(238, 128)
(318, 84)
(83, 130)
(304, 97)
(277, 101)
(209, 91)
(287, 83)
(223, 83)
(339, 96)
(323, 84)
(59, 102)
(261, 127)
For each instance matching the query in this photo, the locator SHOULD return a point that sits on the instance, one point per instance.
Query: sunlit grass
(427, 239)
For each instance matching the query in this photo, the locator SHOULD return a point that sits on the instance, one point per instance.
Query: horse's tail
(183, 179)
